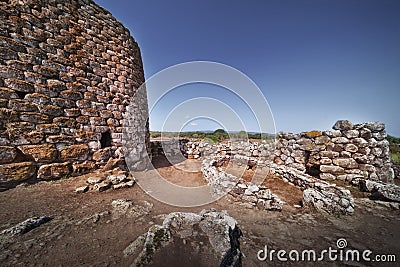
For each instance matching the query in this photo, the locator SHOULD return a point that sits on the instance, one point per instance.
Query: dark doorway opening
(307, 156)
(311, 168)
(21, 95)
(105, 140)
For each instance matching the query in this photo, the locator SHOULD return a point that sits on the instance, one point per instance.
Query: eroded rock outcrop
(24, 227)
(206, 235)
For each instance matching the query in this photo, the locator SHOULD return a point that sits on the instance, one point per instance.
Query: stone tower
(68, 71)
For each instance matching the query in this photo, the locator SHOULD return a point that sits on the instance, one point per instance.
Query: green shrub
(395, 157)
(155, 134)
(393, 140)
(394, 146)
(211, 139)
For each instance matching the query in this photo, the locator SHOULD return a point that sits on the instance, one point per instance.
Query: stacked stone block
(68, 70)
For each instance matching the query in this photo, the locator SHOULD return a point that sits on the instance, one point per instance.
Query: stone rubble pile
(250, 195)
(195, 149)
(116, 180)
(220, 182)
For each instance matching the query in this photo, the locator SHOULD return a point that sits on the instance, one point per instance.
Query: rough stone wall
(355, 153)
(185, 148)
(347, 152)
(169, 148)
(317, 194)
(68, 70)
(194, 149)
(239, 191)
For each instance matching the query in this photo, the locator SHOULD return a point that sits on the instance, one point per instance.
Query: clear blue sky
(315, 61)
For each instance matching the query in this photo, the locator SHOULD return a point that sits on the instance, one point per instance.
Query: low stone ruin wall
(190, 149)
(347, 152)
(194, 149)
(352, 153)
(318, 194)
(239, 191)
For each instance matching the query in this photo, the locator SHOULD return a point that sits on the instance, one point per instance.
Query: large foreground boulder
(209, 238)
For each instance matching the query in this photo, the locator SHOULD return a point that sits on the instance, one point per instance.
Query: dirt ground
(87, 230)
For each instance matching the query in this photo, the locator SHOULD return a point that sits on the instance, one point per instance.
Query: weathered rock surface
(332, 200)
(83, 168)
(95, 179)
(7, 154)
(208, 226)
(134, 210)
(343, 125)
(82, 189)
(24, 226)
(40, 153)
(54, 171)
(75, 152)
(103, 186)
(16, 172)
